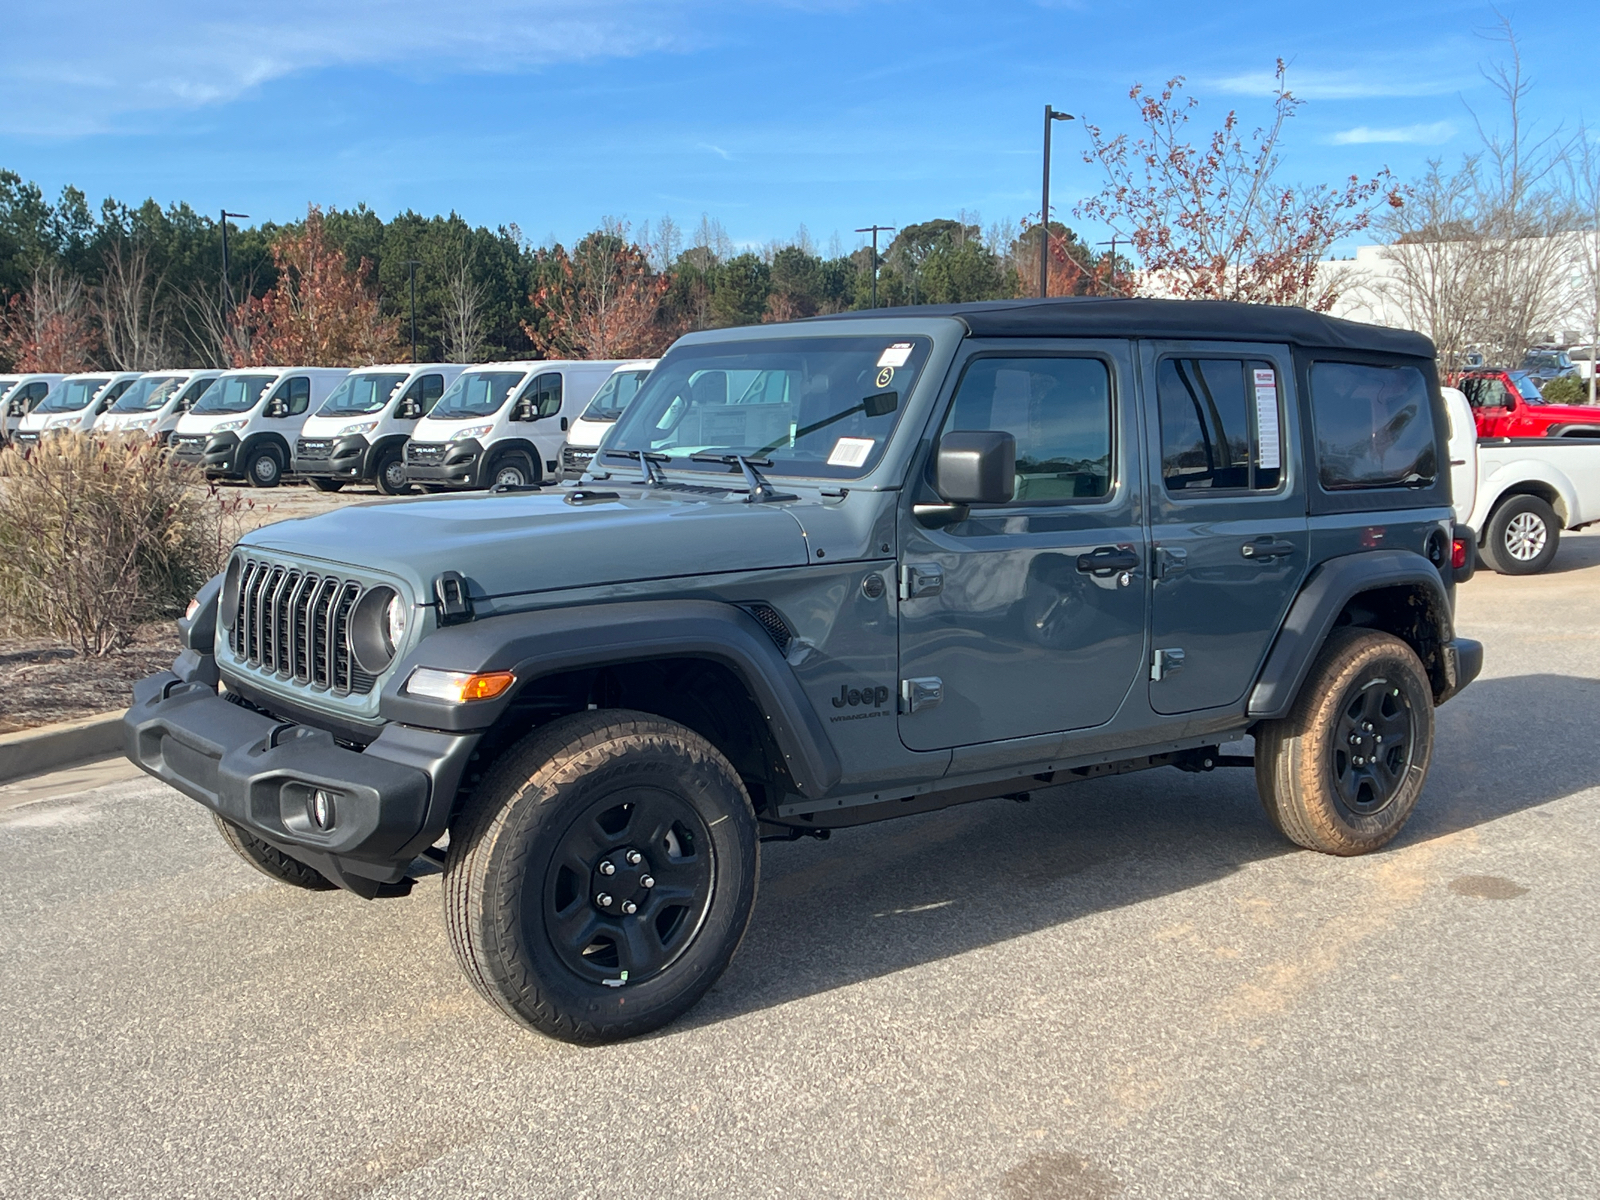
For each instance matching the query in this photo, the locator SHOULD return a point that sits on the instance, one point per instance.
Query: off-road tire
(271, 861)
(256, 471)
(323, 484)
(1297, 764)
(1509, 544)
(501, 871)
(384, 470)
(508, 464)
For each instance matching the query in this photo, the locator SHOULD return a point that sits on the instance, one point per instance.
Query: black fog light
(320, 807)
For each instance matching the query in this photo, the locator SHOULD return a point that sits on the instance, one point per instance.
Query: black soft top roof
(1098, 316)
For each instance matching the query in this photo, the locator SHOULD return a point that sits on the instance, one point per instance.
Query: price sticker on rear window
(1269, 457)
(896, 355)
(851, 452)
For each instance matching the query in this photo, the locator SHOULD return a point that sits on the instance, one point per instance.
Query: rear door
(1228, 516)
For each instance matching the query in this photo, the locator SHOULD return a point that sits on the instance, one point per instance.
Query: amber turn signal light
(456, 687)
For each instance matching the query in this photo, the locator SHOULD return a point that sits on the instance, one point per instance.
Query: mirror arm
(937, 516)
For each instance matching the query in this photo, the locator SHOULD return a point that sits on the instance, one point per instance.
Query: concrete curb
(50, 747)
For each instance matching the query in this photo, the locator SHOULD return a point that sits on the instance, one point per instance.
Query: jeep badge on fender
(1120, 533)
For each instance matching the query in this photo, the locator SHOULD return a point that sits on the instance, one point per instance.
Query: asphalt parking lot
(1125, 988)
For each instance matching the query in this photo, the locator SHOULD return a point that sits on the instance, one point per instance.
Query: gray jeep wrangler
(826, 573)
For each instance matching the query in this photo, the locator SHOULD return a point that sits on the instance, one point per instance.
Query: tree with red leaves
(46, 326)
(603, 301)
(1210, 222)
(320, 313)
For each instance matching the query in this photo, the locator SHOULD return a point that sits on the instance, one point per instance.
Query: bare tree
(463, 313)
(1583, 170)
(211, 330)
(46, 326)
(131, 306)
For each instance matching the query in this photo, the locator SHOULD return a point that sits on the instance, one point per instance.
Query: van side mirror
(277, 408)
(408, 410)
(524, 410)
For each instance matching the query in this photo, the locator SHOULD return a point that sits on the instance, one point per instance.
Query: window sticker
(1267, 420)
(896, 355)
(851, 452)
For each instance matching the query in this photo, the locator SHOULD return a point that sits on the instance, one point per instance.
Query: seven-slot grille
(189, 443)
(296, 624)
(429, 454)
(313, 448)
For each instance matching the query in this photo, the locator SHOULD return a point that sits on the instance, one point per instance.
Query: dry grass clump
(99, 535)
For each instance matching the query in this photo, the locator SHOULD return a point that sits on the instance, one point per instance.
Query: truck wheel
(262, 468)
(323, 484)
(390, 473)
(514, 470)
(1523, 536)
(602, 876)
(271, 861)
(1342, 772)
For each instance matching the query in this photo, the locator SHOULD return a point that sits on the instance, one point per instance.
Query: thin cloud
(1435, 134)
(1337, 85)
(717, 150)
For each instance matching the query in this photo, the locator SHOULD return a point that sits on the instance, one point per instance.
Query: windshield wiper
(758, 490)
(879, 405)
(646, 460)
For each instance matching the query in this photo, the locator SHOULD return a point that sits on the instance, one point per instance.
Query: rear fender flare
(1312, 615)
(533, 645)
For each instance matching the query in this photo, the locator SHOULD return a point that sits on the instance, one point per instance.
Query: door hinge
(1169, 561)
(917, 694)
(921, 579)
(1165, 663)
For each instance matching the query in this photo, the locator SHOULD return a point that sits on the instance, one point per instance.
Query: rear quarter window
(1374, 426)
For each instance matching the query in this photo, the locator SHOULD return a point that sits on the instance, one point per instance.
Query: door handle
(1108, 558)
(1266, 547)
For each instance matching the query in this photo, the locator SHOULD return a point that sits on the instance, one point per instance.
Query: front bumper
(392, 800)
(445, 464)
(575, 461)
(215, 454)
(332, 458)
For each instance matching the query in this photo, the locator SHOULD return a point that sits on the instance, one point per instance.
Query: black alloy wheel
(628, 886)
(1372, 747)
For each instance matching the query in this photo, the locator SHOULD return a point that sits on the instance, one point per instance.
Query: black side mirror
(277, 408)
(409, 410)
(523, 411)
(970, 467)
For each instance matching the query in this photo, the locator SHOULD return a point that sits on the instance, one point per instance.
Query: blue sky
(764, 115)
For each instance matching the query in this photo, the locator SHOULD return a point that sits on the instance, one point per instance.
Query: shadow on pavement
(881, 898)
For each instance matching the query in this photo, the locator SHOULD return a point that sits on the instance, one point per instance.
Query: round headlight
(396, 623)
(373, 629)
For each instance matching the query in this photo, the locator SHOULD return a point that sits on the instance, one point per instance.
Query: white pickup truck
(1518, 494)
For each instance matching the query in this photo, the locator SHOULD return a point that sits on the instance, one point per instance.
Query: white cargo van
(73, 405)
(249, 418)
(153, 405)
(609, 403)
(359, 434)
(502, 424)
(23, 397)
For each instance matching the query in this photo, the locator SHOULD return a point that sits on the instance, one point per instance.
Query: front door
(1028, 618)
(1228, 517)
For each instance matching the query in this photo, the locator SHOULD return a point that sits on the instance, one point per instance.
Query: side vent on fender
(772, 621)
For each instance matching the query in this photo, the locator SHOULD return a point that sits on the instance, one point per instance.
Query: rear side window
(1058, 409)
(1220, 429)
(1374, 426)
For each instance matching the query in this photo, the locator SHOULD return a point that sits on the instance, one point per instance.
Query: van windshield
(614, 396)
(476, 394)
(232, 394)
(362, 394)
(70, 395)
(818, 406)
(147, 394)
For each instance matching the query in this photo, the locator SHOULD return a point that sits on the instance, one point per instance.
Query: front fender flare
(551, 641)
(1331, 586)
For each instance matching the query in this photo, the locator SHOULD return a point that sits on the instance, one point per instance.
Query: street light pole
(1050, 115)
(874, 230)
(227, 284)
(411, 267)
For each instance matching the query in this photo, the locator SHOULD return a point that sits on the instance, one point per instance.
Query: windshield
(1526, 387)
(614, 396)
(70, 395)
(147, 394)
(361, 394)
(476, 394)
(232, 394)
(819, 406)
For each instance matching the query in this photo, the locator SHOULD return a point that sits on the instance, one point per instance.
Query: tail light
(1460, 550)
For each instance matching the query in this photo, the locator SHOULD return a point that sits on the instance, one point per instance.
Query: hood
(510, 544)
(1581, 413)
(321, 426)
(586, 434)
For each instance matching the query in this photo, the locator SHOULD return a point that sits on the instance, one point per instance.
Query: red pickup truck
(1508, 404)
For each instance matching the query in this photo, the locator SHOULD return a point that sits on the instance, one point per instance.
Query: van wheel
(514, 470)
(263, 468)
(323, 484)
(1342, 772)
(269, 860)
(602, 875)
(390, 473)
(1523, 536)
